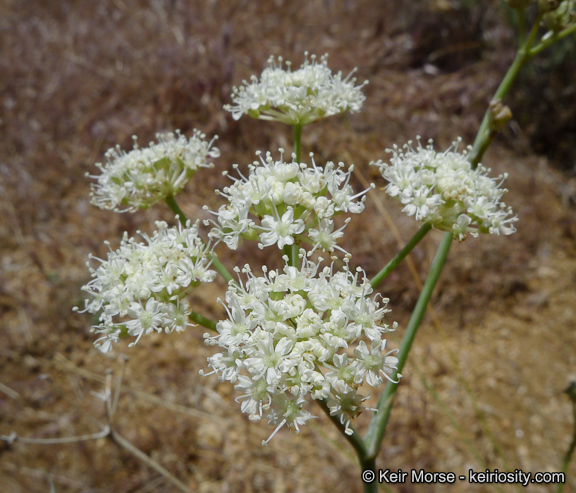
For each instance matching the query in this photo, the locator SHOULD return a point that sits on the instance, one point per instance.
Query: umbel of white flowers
(280, 201)
(296, 97)
(304, 333)
(442, 189)
(141, 287)
(144, 176)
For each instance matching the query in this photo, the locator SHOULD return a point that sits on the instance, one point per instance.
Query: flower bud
(500, 115)
(562, 17)
(548, 5)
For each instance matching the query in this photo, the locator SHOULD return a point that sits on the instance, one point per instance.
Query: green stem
(359, 445)
(355, 439)
(401, 255)
(223, 271)
(377, 426)
(297, 141)
(550, 41)
(533, 33)
(521, 25)
(370, 465)
(292, 251)
(203, 321)
(171, 201)
(485, 134)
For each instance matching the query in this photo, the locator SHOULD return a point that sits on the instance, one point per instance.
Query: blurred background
(483, 386)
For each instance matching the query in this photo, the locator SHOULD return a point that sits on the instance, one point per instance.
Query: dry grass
(80, 76)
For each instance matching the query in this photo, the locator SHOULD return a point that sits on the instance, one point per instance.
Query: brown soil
(483, 387)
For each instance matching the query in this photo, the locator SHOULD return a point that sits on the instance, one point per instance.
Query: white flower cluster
(296, 98)
(287, 200)
(442, 189)
(303, 332)
(144, 176)
(141, 287)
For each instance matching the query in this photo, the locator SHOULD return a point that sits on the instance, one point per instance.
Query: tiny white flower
(325, 237)
(256, 397)
(348, 405)
(289, 412)
(374, 364)
(280, 231)
(344, 376)
(144, 319)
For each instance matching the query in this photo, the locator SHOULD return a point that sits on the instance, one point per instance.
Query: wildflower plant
(312, 331)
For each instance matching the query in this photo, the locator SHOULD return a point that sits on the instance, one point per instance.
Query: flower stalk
(171, 201)
(218, 266)
(401, 255)
(297, 142)
(485, 134)
(377, 426)
(553, 39)
(202, 320)
(354, 438)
